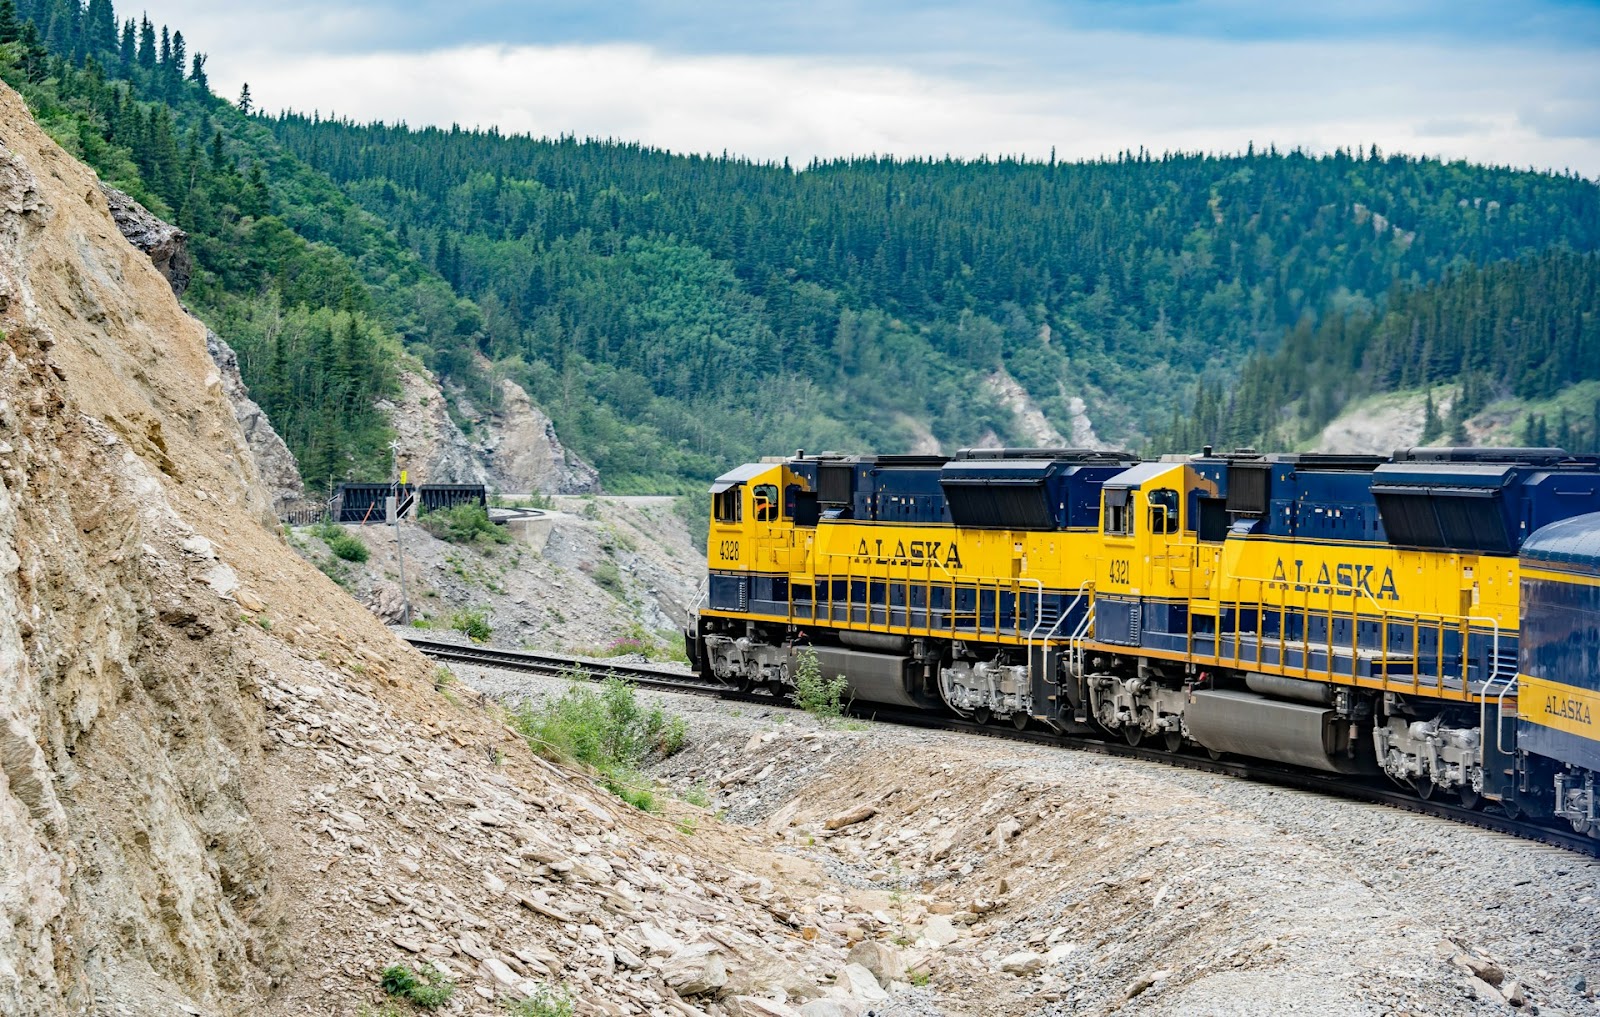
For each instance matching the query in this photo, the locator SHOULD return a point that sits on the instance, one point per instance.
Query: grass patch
(466, 523)
(473, 623)
(428, 987)
(606, 729)
(545, 1002)
(334, 569)
(344, 545)
(444, 683)
(821, 697)
(698, 796)
(608, 577)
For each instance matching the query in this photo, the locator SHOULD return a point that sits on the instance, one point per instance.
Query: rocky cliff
(167, 247)
(224, 787)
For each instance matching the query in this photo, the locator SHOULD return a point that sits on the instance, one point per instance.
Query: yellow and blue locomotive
(1355, 614)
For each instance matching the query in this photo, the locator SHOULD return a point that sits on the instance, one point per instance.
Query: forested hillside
(675, 313)
(1524, 328)
(868, 287)
(313, 293)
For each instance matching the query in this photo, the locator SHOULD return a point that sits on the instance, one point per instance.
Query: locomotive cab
(1153, 562)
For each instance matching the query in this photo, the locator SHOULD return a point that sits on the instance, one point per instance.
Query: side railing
(1386, 621)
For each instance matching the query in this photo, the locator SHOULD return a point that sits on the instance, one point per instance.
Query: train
(1432, 616)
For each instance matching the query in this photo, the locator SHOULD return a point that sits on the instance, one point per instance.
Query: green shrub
(606, 729)
(608, 577)
(474, 624)
(466, 523)
(428, 988)
(349, 547)
(698, 796)
(815, 694)
(545, 1002)
(341, 542)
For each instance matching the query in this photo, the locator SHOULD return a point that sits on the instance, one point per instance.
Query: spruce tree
(1431, 427)
(147, 44)
(129, 50)
(246, 105)
(10, 27)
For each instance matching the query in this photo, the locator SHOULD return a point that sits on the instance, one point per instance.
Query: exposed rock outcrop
(167, 247)
(1032, 423)
(513, 449)
(274, 462)
(523, 453)
(224, 786)
(431, 445)
(166, 244)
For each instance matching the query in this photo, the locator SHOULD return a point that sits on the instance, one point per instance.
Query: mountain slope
(672, 314)
(724, 284)
(1515, 332)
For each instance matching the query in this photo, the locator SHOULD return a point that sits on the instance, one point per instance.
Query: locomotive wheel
(1132, 734)
(982, 715)
(1470, 799)
(1174, 741)
(1424, 787)
(775, 689)
(1214, 754)
(1019, 720)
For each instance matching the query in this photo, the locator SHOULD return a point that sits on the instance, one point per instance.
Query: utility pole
(399, 550)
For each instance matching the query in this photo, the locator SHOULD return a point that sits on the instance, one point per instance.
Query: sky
(1513, 83)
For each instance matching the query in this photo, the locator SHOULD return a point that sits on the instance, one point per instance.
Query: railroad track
(1304, 780)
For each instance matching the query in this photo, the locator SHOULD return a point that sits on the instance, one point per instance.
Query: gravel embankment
(1052, 882)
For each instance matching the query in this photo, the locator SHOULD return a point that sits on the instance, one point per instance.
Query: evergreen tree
(147, 44)
(1432, 427)
(10, 29)
(246, 106)
(129, 47)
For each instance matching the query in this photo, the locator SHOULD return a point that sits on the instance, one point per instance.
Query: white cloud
(1109, 93)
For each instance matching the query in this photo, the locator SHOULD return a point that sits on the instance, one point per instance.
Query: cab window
(766, 502)
(1119, 513)
(1163, 511)
(728, 506)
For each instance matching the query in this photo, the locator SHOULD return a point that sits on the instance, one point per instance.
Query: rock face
(129, 866)
(274, 462)
(224, 786)
(513, 448)
(166, 244)
(525, 456)
(432, 446)
(167, 248)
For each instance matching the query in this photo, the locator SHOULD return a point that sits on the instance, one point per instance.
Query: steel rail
(1312, 781)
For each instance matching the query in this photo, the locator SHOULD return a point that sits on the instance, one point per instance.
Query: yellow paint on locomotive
(1156, 555)
(1558, 706)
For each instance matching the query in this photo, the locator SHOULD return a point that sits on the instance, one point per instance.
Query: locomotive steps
(1030, 881)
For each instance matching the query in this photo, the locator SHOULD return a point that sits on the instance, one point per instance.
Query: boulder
(862, 985)
(695, 970)
(859, 814)
(1023, 962)
(886, 963)
(940, 931)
